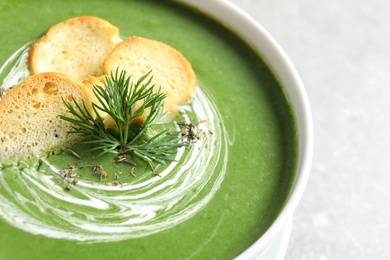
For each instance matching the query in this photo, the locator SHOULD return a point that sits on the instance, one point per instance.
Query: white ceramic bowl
(280, 64)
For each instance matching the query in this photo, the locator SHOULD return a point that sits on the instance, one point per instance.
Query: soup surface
(220, 196)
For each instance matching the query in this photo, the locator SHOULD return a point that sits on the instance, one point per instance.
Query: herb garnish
(123, 102)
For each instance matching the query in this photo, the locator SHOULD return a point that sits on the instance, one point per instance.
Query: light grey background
(341, 49)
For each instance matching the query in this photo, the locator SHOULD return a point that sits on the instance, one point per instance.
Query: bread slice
(76, 47)
(30, 126)
(171, 70)
(90, 82)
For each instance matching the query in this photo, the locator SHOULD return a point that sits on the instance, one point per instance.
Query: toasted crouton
(170, 69)
(30, 126)
(76, 47)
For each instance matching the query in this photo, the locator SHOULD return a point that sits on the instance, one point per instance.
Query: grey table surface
(341, 50)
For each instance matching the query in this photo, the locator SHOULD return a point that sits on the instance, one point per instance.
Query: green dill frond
(122, 101)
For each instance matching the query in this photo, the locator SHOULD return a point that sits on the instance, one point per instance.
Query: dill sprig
(122, 101)
(159, 149)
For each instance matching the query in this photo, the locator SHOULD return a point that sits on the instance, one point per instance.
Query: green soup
(216, 201)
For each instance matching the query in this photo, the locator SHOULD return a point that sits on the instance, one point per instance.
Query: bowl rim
(268, 48)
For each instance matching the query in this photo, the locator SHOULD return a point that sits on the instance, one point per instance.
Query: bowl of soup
(228, 196)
